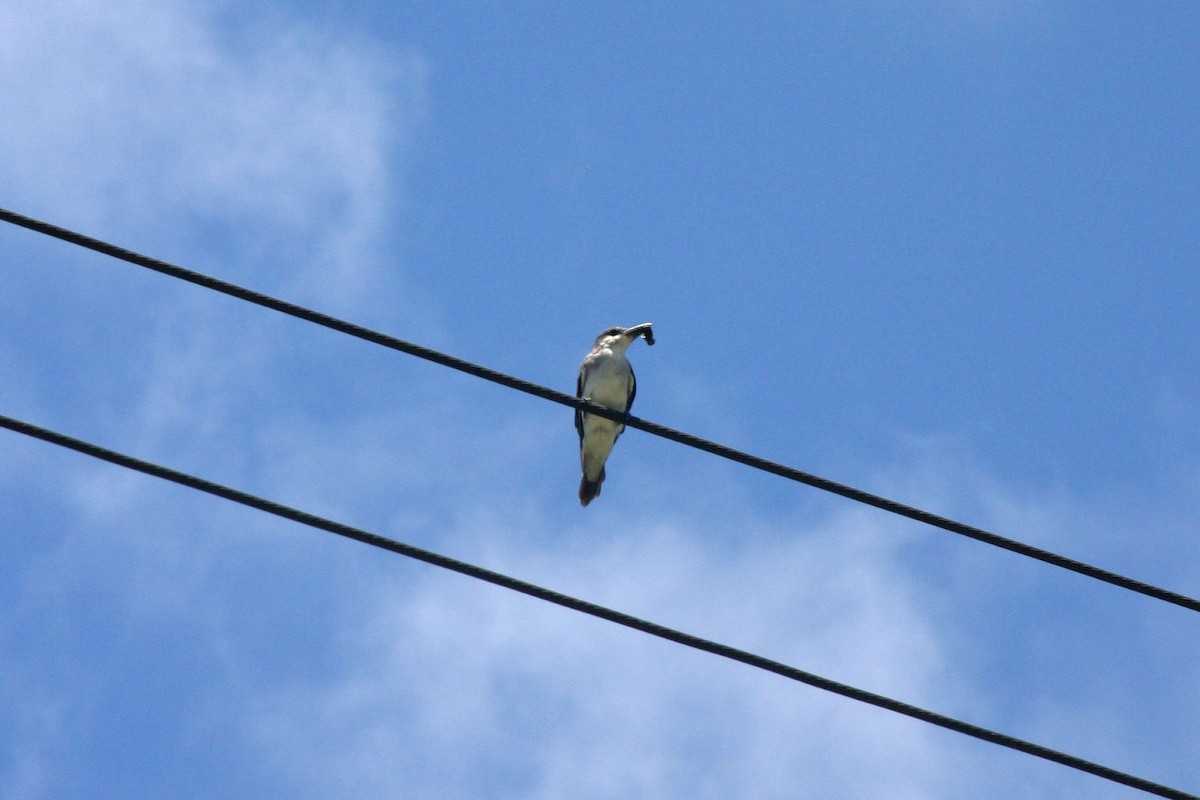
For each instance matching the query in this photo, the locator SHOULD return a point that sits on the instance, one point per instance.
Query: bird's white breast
(606, 379)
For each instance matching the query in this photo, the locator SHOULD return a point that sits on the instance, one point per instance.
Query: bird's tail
(590, 490)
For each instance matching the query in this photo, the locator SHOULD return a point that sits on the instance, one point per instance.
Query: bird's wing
(629, 405)
(578, 413)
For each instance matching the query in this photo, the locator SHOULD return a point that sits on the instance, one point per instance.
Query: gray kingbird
(606, 379)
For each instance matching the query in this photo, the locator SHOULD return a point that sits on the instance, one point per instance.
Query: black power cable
(585, 607)
(824, 484)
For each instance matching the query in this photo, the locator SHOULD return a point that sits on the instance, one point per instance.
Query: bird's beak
(641, 330)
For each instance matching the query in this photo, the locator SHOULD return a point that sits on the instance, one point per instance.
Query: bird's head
(618, 338)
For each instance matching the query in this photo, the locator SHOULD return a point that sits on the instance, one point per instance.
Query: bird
(605, 378)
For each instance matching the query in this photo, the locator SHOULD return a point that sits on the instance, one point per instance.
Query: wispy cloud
(152, 121)
(452, 683)
(446, 683)
(268, 150)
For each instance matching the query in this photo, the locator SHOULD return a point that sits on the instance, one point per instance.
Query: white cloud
(269, 153)
(455, 683)
(446, 684)
(140, 119)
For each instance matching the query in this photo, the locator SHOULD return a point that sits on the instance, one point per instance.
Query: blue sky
(946, 253)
